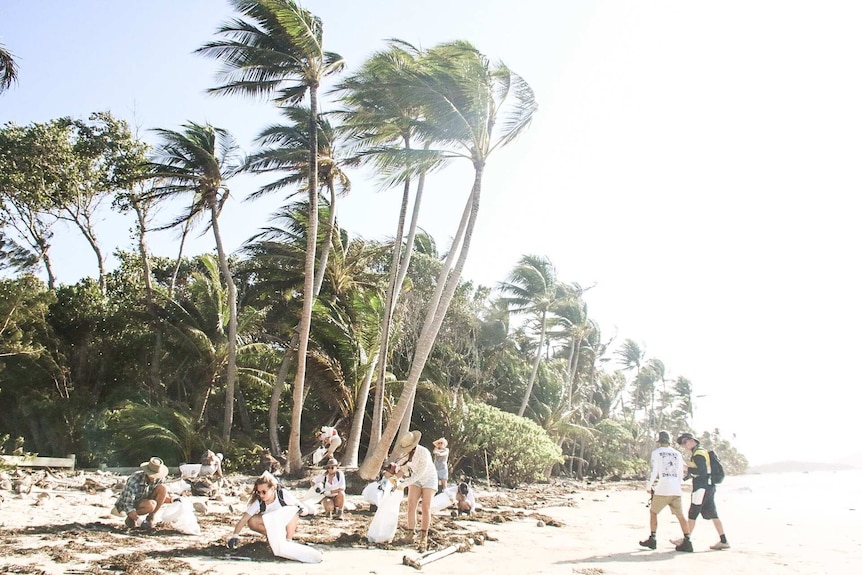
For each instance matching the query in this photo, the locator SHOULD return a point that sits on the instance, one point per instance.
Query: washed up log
(36, 461)
(426, 558)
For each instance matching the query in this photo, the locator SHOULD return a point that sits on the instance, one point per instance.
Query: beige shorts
(659, 502)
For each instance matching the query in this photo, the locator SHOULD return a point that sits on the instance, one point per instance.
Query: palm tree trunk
(535, 370)
(294, 454)
(351, 451)
(230, 377)
(447, 282)
(155, 362)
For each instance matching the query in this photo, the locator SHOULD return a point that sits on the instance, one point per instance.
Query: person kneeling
(266, 498)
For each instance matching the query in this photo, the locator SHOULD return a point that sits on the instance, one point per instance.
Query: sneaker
(648, 542)
(130, 523)
(685, 546)
(146, 525)
(719, 546)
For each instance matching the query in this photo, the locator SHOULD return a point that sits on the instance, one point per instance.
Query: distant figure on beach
(144, 494)
(465, 498)
(664, 484)
(415, 466)
(210, 475)
(703, 490)
(333, 485)
(330, 439)
(268, 463)
(267, 497)
(441, 462)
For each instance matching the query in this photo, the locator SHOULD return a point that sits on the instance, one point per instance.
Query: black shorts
(706, 507)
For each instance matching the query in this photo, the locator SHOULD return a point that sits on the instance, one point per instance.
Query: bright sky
(697, 161)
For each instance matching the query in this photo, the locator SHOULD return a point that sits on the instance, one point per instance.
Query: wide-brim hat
(685, 436)
(155, 468)
(442, 442)
(332, 461)
(409, 441)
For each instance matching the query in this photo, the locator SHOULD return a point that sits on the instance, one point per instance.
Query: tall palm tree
(198, 160)
(8, 69)
(464, 99)
(285, 149)
(278, 48)
(532, 288)
(380, 123)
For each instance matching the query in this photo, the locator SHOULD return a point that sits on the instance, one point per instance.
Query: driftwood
(431, 556)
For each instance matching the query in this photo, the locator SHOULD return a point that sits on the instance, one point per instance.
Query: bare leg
(413, 494)
(653, 522)
(427, 495)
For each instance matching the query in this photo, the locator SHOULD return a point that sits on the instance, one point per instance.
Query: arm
(653, 473)
(698, 466)
(243, 521)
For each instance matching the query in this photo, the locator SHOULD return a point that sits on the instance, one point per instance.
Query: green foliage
(517, 449)
(732, 460)
(611, 450)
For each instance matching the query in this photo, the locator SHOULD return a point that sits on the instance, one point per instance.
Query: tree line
(170, 355)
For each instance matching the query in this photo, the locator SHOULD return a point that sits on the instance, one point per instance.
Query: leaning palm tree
(8, 69)
(277, 48)
(471, 108)
(197, 161)
(532, 289)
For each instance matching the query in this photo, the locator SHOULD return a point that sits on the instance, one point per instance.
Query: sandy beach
(776, 523)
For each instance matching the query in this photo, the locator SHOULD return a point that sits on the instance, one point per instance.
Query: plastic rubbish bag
(318, 454)
(275, 524)
(373, 491)
(181, 516)
(385, 521)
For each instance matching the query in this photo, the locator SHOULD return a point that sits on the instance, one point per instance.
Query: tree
(198, 160)
(532, 289)
(463, 98)
(278, 48)
(8, 69)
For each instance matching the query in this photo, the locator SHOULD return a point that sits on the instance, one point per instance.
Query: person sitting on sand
(441, 462)
(334, 485)
(465, 498)
(267, 497)
(664, 484)
(144, 494)
(420, 478)
(209, 477)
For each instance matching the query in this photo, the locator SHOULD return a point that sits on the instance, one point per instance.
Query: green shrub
(517, 449)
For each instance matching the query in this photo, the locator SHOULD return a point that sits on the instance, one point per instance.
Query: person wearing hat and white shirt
(144, 493)
(703, 490)
(334, 485)
(664, 484)
(441, 462)
(415, 466)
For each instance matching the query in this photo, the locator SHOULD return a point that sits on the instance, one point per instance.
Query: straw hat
(441, 442)
(409, 441)
(155, 468)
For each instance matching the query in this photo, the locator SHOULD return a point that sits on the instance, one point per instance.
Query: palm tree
(285, 149)
(278, 47)
(198, 160)
(8, 69)
(463, 99)
(532, 288)
(380, 123)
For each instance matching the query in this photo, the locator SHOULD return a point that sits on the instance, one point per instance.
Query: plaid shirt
(136, 488)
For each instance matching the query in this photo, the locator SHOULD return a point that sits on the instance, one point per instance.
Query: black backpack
(280, 500)
(716, 473)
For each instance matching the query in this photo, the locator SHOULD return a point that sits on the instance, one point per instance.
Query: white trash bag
(318, 454)
(275, 524)
(181, 516)
(385, 521)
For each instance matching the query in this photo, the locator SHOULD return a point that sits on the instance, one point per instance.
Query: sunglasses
(262, 492)
(330, 467)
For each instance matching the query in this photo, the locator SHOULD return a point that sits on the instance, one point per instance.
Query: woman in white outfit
(416, 466)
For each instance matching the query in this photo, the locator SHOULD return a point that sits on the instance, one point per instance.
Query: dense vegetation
(170, 356)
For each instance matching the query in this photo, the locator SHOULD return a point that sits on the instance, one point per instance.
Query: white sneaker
(719, 546)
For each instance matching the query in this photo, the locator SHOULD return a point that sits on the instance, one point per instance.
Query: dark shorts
(703, 504)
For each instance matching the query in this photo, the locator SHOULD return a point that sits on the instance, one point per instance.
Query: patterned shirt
(136, 489)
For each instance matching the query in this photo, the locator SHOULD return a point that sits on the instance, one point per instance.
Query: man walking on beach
(664, 483)
(703, 490)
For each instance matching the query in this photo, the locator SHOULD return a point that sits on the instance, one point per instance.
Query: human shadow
(644, 556)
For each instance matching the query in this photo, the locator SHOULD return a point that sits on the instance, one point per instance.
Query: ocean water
(822, 494)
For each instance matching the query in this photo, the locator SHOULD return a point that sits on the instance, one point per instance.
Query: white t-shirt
(668, 467)
(336, 482)
(254, 506)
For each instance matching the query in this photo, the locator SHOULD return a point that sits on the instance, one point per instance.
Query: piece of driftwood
(430, 556)
(36, 461)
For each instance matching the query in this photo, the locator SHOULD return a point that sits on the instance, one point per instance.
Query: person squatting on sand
(334, 485)
(266, 497)
(664, 484)
(144, 494)
(415, 465)
(441, 462)
(703, 490)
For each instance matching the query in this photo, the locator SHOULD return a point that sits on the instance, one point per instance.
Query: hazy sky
(698, 161)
